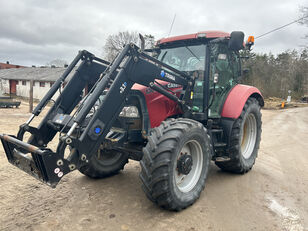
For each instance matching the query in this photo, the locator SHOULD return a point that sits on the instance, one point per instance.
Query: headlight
(130, 111)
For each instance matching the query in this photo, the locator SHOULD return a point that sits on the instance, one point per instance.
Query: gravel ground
(273, 196)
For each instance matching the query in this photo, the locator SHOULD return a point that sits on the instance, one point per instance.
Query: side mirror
(236, 41)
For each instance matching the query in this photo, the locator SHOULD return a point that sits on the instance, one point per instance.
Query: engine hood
(159, 106)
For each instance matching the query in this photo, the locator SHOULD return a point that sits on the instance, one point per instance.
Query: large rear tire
(104, 164)
(245, 139)
(176, 163)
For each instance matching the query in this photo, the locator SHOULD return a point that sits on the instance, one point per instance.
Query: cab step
(222, 159)
(217, 130)
(220, 145)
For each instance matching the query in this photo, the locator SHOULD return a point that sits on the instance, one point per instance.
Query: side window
(235, 63)
(220, 65)
(224, 64)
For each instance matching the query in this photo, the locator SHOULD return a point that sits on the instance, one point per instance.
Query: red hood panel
(159, 106)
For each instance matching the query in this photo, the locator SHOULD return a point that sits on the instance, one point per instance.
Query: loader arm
(84, 136)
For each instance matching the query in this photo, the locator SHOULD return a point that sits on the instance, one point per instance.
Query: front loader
(173, 111)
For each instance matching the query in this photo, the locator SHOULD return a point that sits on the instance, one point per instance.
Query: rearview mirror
(236, 41)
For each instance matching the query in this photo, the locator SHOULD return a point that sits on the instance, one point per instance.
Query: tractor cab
(210, 58)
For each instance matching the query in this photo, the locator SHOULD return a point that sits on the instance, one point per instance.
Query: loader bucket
(44, 165)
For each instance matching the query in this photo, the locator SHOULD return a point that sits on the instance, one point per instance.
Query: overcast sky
(34, 32)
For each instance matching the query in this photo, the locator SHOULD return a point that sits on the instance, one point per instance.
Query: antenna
(171, 25)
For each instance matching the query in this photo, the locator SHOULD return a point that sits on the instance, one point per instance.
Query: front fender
(237, 98)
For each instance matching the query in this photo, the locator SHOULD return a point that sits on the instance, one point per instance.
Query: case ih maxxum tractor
(174, 111)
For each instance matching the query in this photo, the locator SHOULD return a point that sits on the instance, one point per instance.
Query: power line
(278, 28)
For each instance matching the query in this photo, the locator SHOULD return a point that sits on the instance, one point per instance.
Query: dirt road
(273, 196)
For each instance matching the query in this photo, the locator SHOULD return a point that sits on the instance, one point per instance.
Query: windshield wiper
(162, 58)
(192, 52)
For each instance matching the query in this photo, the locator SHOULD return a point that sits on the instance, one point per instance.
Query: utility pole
(31, 96)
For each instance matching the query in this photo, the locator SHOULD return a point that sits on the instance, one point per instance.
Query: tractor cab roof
(211, 34)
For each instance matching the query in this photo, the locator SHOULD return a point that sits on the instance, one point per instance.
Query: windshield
(186, 58)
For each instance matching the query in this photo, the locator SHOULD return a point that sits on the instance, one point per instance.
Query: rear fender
(237, 98)
(234, 105)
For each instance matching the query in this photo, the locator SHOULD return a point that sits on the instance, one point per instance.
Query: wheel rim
(248, 139)
(186, 183)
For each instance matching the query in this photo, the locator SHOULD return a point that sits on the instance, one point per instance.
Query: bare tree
(304, 14)
(149, 41)
(115, 43)
(274, 76)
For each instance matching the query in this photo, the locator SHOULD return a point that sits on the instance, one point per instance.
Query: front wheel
(176, 163)
(245, 139)
(105, 163)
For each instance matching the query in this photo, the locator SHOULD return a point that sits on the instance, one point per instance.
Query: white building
(17, 81)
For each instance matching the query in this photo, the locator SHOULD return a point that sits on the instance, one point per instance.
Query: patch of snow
(290, 219)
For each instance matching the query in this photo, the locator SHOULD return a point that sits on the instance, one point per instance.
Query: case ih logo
(173, 85)
(167, 75)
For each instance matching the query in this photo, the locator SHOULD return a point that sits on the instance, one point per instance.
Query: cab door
(225, 69)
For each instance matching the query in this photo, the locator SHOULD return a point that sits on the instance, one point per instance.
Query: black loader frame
(67, 116)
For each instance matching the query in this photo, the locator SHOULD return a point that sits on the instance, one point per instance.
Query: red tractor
(174, 110)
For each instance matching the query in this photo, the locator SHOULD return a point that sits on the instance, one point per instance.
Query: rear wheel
(104, 164)
(245, 139)
(175, 163)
